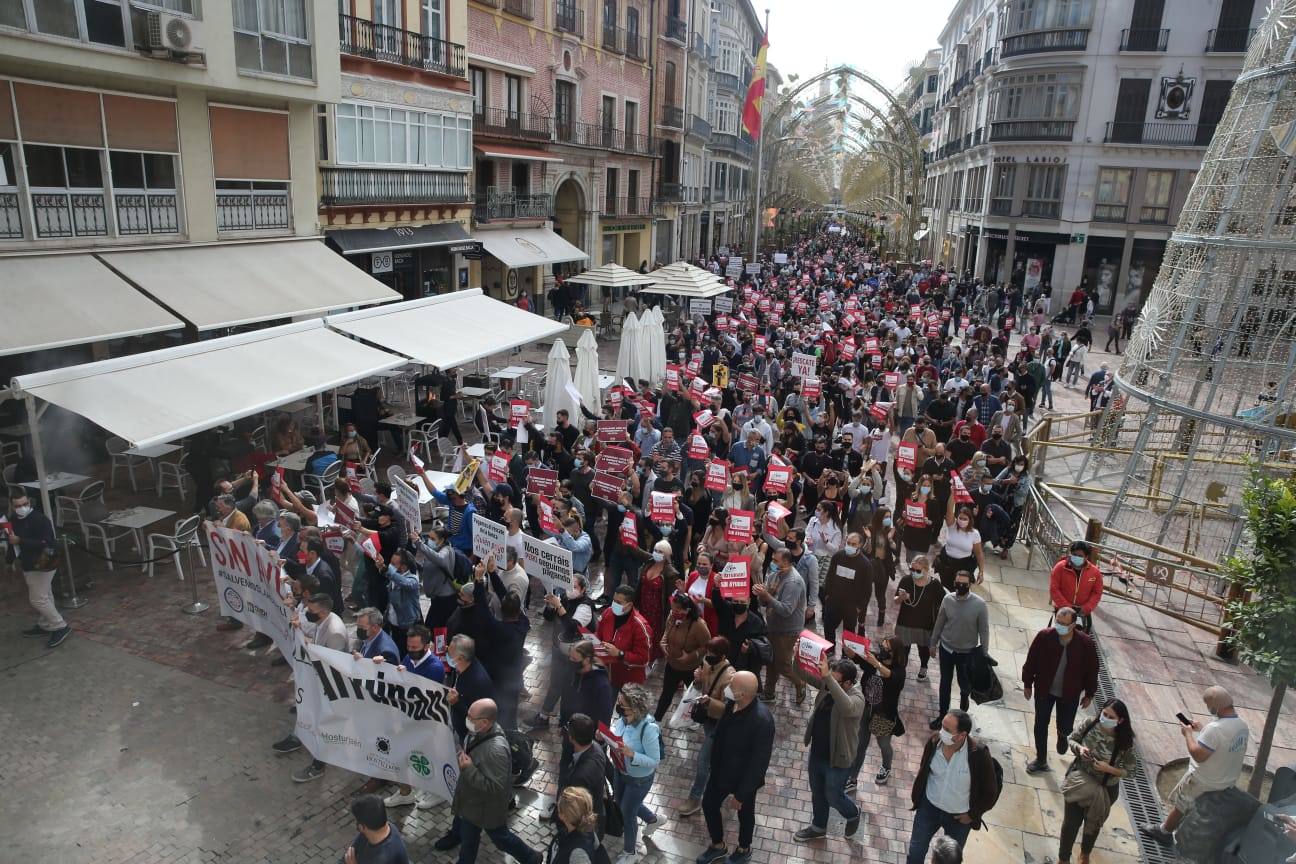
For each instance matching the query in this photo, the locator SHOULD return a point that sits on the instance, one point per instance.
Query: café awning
(359, 241)
(527, 247)
(230, 284)
(52, 301)
(448, 330)
(160, 396)
(529, 154)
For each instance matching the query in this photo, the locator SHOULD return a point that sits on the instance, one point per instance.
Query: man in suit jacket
(374, 641)
(583, 765)
(1006, 419)
(318, 566)
(470, 681)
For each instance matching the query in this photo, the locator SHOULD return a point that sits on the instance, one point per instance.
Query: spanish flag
(751, 117)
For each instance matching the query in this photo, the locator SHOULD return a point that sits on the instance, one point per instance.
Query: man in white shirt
(330, 631)
(858, 431)
(1216, 753)
(954, 788)
(759, 424)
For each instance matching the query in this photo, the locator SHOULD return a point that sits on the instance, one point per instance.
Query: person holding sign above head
(962, 550)
(884, 661)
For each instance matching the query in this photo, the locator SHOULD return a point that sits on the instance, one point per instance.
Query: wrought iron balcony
(569, 18)
(612, 38)
(1144, 39)
(1001, 206)
(1109, 212)
(262, 209)
(521, 8)
(726, 81)
(676, 30)
(503, 203)
(1032, 130)
(672, 117)
(634, 142)
(10, 217)
(1229, 40)
(602, 137)
(512, 124)
(1042, 41)
(363, 38)
(636, 45)
(670, 192)
(699, 127)
(347, 185)
(141, 212)
(70, 214)
(628, 206)
(1166, 134)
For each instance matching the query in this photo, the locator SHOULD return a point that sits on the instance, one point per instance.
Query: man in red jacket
(1076, 582)
(1061, 671)
(626, 642)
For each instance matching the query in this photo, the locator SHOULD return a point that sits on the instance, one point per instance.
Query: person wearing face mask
(484, 790)
(866, 492)
(625, 639)
(1009, 424)
(420, 661)
(962, 627)
(712, 678)
(354, 447)
(1076, 582)
(783, 596)
(998, 451)
(32, 543)
(1061, 672)
(683, 643)
(886, 662)
(1104, 753)
(321, 625)
(1015, 482)
(640, 752)
(832, 734)
(921, 519)
(742, 745)
(377, 840)
(956, 786)
(403, 592)
(845, 588)
(962, 549)
(657, 579)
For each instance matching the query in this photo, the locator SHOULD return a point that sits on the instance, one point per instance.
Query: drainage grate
(1137, 789)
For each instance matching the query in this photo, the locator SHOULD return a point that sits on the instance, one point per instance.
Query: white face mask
(729, 694)
(658, 557)
(946, 737)
(22, 512)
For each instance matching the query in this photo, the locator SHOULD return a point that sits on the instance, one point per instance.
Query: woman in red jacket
(625, 640)
(1076, 582)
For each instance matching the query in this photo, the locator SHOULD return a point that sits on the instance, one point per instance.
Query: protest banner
(697, 447)
(915, 515)
(548, 522)
(891, 380)
(352, 473)
(614, 460)
(759, 343)
(609, 431)
(964, 321)
(698, 306)
(774, 514)
(803, 365)
(848, 350)
(740, 526)
(248, 584)
(630, 530)
(717, 476)
(519, 412)
(662, 510)
(548, 562)
(497, 470)
(811, 387)
(875, 361)
(961, 494)
(406, 499)
(489, 538)
(673, 377)
(542, 481)
(778, 478)
(879, 411)
(698, 386)
(704, 418)
(722, 304)
(616, 394)
(811, 648)
(607, 487)
(734, 581)
(907, 456)
(1007, 322)
(747, 383)
(871, 344)
(780, 258)
(374, 720)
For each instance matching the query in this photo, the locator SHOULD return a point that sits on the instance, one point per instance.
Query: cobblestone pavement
(145, 738)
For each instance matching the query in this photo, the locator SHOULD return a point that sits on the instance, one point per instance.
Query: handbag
(873, 689)
(698, 710)
(613, 823)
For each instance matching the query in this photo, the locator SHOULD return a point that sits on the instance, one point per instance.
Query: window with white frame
(273, 36)
(729, 54)
(432, 18)
(1040, 96)
(725, 118)
(379, 135)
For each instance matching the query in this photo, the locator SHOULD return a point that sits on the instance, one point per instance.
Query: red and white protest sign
(891, 380)
(614, 460)
(811, 388)
(740, 526)
(854, 642)
(663, 508)
(915, 312)
(615, 396)
(734, 581)
(811, 648)
(964, 321)
(907, 456)
(871, 344)
(440, 641)
(1008, 322)
(961, 494)
(630, 530)
(774, 514)
(704, 418)
(542, 481)
(673, 376)
(352, 472)
(778, 478)
(747, 383)
(759, 343)
(697, 387)
(915, 515)
(519, 411)
(879, 411)
(548, 523)
(697, 448)
(876, 361)
(848, 350)
(717, 475)
(497, 470)
(607, 487)
(607, 431)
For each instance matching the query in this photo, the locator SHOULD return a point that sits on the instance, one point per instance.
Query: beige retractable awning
(527, 247)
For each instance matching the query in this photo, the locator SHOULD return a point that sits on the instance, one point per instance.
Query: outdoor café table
(57, 480)
(297, 461)
(137, 519)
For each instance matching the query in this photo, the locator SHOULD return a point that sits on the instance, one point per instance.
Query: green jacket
(482, 794)
(847, 708)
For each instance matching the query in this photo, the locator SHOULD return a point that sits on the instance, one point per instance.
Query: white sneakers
(396, 799)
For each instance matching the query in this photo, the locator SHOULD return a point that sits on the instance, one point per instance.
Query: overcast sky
(880, 37)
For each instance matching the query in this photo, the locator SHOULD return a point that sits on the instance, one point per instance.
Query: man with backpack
(958, 782)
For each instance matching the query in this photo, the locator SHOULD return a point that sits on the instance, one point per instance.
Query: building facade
(919, 94)
(734, 39)
(670, 71)
(395, 153)
(695, 195)
(1067, 133)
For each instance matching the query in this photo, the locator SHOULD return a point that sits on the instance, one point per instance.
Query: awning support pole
(319, 408)
(38, 453)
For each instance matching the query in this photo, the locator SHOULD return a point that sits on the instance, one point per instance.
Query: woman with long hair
(685, 637)
(886, 660)
(656, 581)
(575, 842)
(712, 679)
(921, 523)
(1104, 753)
(962, 549)
(635, 763)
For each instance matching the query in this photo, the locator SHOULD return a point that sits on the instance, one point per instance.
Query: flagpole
(760, 152)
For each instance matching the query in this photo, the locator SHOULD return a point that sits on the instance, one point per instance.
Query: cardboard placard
(519, 412)
(740, 527)
(879, 411)
(891, 380)
(848, 351)
(961, 494)
(811, 388)
(614, 460)
(871, 344)
(352, 474)
(760, 343)
(489, 538)
(803, 365)
(607, 487)
(548, 523)
(854, 642)
(608, 431)
(915, 515)
(722, 304)
(630, 530)
(662, 508)
(964, 322)
(548, 562)
(734, 581)
(542, 481)
(704, 418)
(778, 478)
(717, 476)
(697, 448)
(774, 514)
(673, 377)
(907, 456)
(497, 470)
(697, 387)
(747, 383)
(811, 648)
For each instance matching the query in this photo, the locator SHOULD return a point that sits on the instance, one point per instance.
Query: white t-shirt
(1226, 737)
(958, 544)
(859, 435)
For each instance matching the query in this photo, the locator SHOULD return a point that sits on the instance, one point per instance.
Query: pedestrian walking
(920, 598)
(962, 627)
(1061, 674)
(957, 784)
(740, 757)
(1076, 581)
(783, 594)
(32, 543)
(886, 662)
(636, 762)
(1104, 753)
(712, 680)
(576, 841)
(683, 643)
(832, 734)
(377, 841)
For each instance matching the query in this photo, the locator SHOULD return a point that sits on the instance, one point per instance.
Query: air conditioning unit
(161, 33)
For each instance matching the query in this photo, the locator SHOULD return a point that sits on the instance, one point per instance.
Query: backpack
(521, 758)
(463, 569)
(999, 782)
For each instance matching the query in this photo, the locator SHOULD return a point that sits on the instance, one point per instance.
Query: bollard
(196, 607)
(72, 601)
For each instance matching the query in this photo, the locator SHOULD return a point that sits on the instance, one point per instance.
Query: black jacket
(589, 694)
(589, 773)
(741, 750)
(36, 535)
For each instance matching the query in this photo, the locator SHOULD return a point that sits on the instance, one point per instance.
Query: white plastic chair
(394, 472)
(260, 439)
(423, 437)
(448, 453)
(65, 506)
(370, 465)
(319, 484)
(90, 514)
(172, 475)
(185, 535)
(117, 448)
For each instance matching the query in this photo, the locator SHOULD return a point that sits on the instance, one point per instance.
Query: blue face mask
(621, 507)
(578, 462)
(886, 521)
(1077, 561)
(1108, 722)
(1062, 629)
(618, 609)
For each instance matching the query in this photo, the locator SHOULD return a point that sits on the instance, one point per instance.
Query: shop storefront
(520, 261)
(416, 261)
(1022, 258)
(1102, 267)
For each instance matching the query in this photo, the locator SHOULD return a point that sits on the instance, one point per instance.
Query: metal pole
(196, 606)
(72, 601)
(760, 150)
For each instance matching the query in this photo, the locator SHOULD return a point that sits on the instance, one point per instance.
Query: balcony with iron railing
(636, 142)
(505, 203)
(1110, 212)
(1044, 41)
(70, 214)
(512, 124)
(347, 185)
(1032, 130)
(146, 212)
(669, 192)
(1229, 40)
(255, 210)
(10, 217)
(627, 206)
(672, 117)
(1001, 206)
(569, 18)
(521, 8)
(1164, 134)
(726, 81)
(676, 30)
(699, 127)
(363, 38)
(1144, 39)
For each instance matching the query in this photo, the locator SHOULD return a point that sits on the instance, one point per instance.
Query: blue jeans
(828, 789)
(504, 840)
(927, 821)
(703, 770)
(630, 793)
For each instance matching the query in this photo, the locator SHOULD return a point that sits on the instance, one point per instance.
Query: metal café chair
(319, 484)
(65, 506)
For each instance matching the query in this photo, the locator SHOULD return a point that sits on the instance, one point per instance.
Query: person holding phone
(1104, 754)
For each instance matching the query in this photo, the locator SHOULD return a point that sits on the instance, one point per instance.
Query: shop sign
(637, 227)
(1028, 160)
(472, 250)
(380, 262)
